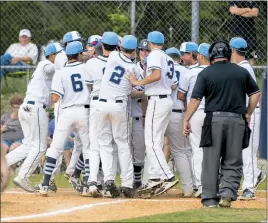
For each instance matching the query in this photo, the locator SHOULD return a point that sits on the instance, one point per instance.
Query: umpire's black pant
(226, 150)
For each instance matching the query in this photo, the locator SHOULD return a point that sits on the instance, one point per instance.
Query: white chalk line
(68, 210)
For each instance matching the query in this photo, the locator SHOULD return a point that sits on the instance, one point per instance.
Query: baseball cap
(74, 47)
(203, 49)
(110, 38)
(156, 37)
(143, 45)
(174, 51)
(71, 36)
(93, 40)
(129, 42)
(53, 48)
(238, 43)
(25, 32)
(189, 47)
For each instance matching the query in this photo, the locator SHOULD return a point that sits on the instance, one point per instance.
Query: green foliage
(120, 22)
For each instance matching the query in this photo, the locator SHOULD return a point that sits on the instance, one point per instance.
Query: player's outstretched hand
(132, 78)
(186, 128)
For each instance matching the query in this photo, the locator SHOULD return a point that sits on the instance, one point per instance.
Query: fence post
(133, 16)
(195, 20)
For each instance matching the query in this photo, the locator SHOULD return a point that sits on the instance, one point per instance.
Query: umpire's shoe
(111, 187)
(167, 185)
(127, 192)
(24, 184)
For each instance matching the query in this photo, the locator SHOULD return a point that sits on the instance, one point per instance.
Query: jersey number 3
(117, 75)
(76, 82)
(171, 69)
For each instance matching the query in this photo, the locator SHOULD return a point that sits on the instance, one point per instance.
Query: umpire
(225, 130)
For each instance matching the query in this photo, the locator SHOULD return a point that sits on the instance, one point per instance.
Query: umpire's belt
(33, 103)
(177, 110)
(116, 101)
(160, 96)
(227, 114)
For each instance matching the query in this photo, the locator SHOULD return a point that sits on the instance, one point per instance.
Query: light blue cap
(238, 43)
(74, 47)
(203, 49)
(156, 37)
(93, 40)
(189, 47)
(71, 36)
(174, 51)
(110, 38)
(129, 42)
(53, 48)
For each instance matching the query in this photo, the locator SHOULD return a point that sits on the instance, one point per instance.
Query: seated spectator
(18, 54)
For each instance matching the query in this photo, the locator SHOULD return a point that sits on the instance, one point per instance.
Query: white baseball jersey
(28, 50)
(158, 60)
(180, 73)
(115, 85)
(136, 110)
(187, 84)
(40, 84)
(95, 68)
(69, 84)
(193, 66)
(60, 60)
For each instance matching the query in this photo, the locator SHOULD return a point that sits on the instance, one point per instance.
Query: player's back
(72, 88)
(157, 59)
(249, 68)
(115, 85)
(95, 68)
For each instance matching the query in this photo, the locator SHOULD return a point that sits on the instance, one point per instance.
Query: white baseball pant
(34, 123)
(181, 150)
(156, 121)
(250, 162)
(113, 124)
(196, 122)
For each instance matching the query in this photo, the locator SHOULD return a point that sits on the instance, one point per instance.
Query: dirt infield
(67, 205)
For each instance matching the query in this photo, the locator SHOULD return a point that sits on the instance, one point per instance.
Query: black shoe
(128, 192)
(99, 186)
(225, 202)
(137, 185)
(111, 187)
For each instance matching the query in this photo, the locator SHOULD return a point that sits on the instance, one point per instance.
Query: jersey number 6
(76, 82)
(171, 69)
(117, 75)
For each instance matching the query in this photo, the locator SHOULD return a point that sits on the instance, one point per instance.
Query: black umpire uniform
(225, 131)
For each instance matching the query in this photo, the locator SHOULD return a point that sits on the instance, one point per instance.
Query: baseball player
(186, 87)
(189, 54)
(34, 120)
(92, 42)
(158, 81)
(252, 175)
(137, 142)
(69, 85)
(113, 116)
(180, 147)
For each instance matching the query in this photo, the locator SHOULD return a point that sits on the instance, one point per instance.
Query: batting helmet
(143, 45)
(219, 49)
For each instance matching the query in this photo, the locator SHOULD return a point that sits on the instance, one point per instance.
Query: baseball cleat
(111, 187)
(76, 184)
(86, 192)
(225, 202)
(51, 187)
(186, 195)
(106, 194)
(94, 191)
(24, 184)
(247, 195)
(137, 185)
(127, 192)
(149, 187)
(261, 178)
(67, 176)
(43, 190)
(198, 193)
(167, 185)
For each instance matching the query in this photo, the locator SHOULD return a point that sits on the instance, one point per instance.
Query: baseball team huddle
(120, 112)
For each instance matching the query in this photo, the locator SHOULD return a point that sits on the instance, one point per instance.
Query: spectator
(11, 131)
(18, 54)
(243, 24)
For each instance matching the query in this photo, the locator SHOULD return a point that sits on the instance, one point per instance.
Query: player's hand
(248, 117)
(186, 128)
(3, 128)
(132, 78)
(15, 60)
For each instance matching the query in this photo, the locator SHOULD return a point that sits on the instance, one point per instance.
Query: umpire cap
(143, 45)
(219, 49)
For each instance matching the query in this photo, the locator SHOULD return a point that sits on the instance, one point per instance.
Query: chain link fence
(201, 21)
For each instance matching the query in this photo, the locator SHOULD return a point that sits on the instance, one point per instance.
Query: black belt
(137, 118)
(139, 101)
(33, 103)
(86, 106)
(160, 96)
(95, 98)
(177, 110)
(227, 114)
(116, 101)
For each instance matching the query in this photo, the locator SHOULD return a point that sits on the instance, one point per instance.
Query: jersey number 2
(76, 82)
(117, 75)
(171, 69)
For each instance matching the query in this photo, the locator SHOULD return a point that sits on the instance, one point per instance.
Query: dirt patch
(81, 209)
